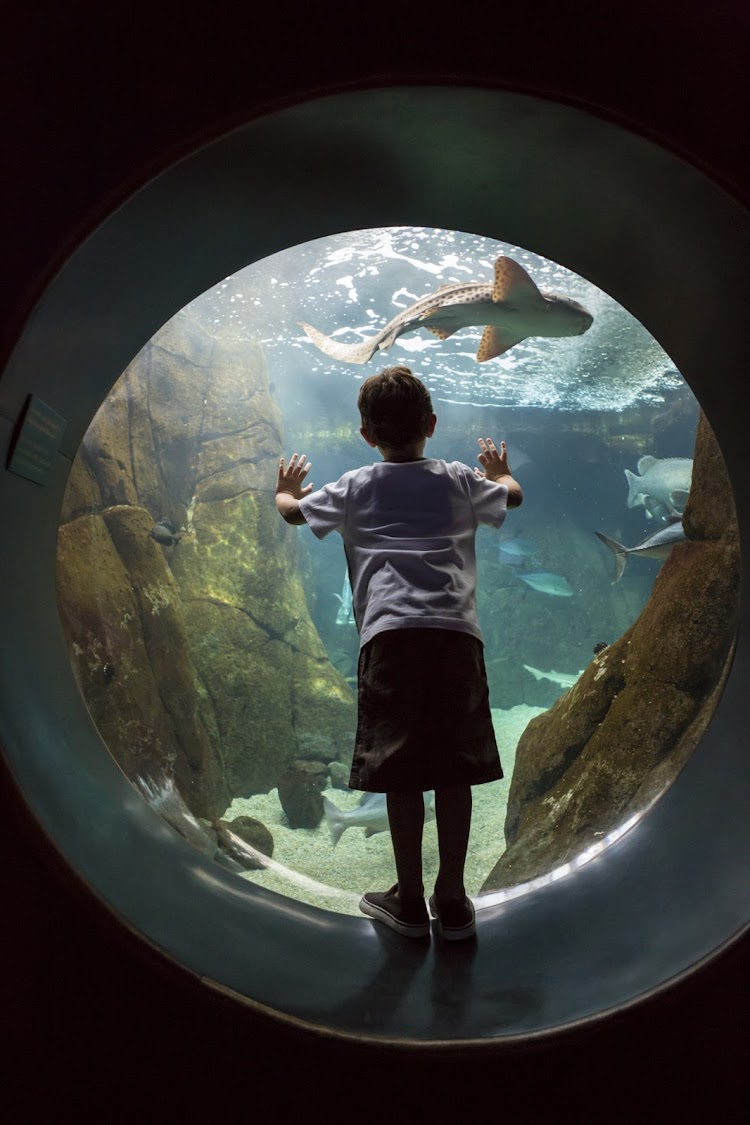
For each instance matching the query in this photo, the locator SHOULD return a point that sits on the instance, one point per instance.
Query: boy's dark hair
(395, 407)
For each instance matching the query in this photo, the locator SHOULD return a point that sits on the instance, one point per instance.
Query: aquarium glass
(215, 645)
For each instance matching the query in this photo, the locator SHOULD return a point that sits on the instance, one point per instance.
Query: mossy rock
(252, 831)
(122, 615)
(608, 747)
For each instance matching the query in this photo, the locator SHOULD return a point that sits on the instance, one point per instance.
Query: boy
(408, 525)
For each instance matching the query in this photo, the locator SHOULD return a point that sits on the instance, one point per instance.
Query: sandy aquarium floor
(306, 866)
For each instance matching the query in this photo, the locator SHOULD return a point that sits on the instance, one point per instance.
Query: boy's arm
(497, 469)
(290, 488)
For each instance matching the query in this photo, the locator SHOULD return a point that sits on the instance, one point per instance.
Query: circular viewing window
(217, 649)
(213, 644)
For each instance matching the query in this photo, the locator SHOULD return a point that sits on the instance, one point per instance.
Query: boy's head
(395, 408)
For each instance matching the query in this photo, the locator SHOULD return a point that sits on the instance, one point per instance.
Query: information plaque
(37, 441)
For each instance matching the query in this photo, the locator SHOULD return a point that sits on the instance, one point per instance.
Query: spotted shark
(511, 307)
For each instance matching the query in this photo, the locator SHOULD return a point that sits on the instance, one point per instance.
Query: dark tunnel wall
(92, 1018)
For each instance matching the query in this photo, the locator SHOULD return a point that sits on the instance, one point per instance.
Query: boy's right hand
(495, 461)
(290, 488)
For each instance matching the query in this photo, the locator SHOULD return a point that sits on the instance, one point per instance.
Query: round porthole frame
(652, 231)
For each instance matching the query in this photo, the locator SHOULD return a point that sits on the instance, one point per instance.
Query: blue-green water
(576, 413)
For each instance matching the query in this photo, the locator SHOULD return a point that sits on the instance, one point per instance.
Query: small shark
(511, 308)
(371, 814)
(562, 679)
(663, 485)
(655, 546)
(545, 583)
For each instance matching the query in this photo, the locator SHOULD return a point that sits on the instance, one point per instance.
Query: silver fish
(371, 814)
(546, 583)
(516, 550)
(655, 546)
(662, 484)
(511, 308)
(562, 679)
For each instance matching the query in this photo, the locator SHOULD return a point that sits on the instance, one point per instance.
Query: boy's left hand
(291, 478)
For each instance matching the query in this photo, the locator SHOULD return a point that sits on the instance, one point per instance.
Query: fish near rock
(164, 535)
(562, 679)
(511, 307)
(663, 485)
(655, 546)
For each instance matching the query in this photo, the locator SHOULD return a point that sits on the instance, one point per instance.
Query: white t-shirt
(408, 531)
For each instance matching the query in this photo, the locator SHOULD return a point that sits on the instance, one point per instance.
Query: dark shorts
(423, 717)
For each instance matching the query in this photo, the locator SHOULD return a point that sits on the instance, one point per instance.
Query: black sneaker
(456, 920)
(409, 919)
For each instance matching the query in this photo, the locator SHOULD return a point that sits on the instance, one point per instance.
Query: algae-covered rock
(198, 660)
(300, 798)
(608, 747)
(122, 615)
(252, 832)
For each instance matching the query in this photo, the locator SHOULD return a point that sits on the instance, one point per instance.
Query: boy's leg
(453, 815)
(406, 820)
(402, 907)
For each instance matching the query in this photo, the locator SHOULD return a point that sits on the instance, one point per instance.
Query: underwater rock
(339, 773)
(300, 798)
(235, 854)
(315, 747)
(316, 771)
(252, 832)
(122, 616)
(622, 733)
(162, 795)
(190, 435)
(164, 534)
(266, 671)
(244, 847)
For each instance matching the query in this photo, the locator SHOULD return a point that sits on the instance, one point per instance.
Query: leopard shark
(511, 307)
